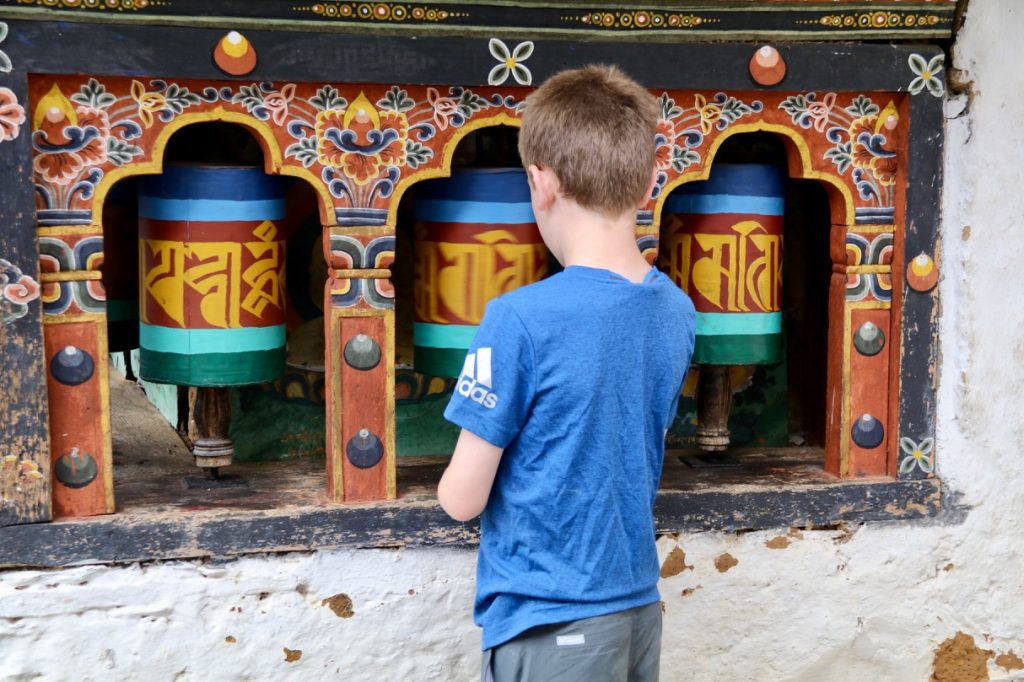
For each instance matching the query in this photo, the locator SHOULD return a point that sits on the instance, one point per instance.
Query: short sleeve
(493, 393)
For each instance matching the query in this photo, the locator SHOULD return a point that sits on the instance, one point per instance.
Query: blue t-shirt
(577, 377)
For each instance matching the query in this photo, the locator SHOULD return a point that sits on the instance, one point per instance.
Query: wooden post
(714, 403)
(211, 413)
(77, 384)
(360, 341)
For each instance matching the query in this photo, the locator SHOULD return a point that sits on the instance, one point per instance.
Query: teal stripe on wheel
(724, 203)
(443, 335)
(211, 210)
(715, 324)
(196, 341)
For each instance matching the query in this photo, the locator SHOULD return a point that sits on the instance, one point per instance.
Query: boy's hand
(466, 485)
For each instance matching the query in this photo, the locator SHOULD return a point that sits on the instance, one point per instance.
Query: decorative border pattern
(877, 21)
(98, 5)
(640, 19)
(865, 138)
(379, 12)
(353, 146)
(777, 20)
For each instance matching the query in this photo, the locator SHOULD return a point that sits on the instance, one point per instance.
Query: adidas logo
(475, 380)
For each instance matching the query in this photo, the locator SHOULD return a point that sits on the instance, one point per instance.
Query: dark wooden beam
(128, 538)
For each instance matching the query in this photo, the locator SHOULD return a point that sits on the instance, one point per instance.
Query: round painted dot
(75, 469)
(72, 366)
(869, 339)
(922, 275)
(867, 432)
(767, 67)
(234, 55)
(364, 450)
(362, 352)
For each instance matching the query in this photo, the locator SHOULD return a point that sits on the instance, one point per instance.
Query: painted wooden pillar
(858, 441)
(75, 354)
(360, 340)
(24, 460)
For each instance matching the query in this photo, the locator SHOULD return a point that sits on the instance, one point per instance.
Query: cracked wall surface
(936, 601)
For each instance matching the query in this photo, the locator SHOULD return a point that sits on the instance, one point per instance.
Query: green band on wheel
(439, 362)
(212, 369)
(738, 349)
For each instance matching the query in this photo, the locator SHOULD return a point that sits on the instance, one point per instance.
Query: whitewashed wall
(876, 605)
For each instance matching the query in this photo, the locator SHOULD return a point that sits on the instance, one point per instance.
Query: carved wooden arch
(841, 355)
(447, 154)
(273, 159)
(798, 157)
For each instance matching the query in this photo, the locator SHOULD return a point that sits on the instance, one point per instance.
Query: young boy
(582, 373)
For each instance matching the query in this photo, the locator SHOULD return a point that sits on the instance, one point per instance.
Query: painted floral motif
(167, 101)
(73, 137)
(681, 130)
(510, 62)
(863, 136)
(276, 102)
(819, 112)
(927, 74)
(71, 142)
(361, 139)
(17, 290)
(363, 147)
(5, 61)
(17, 477)
(444, 108)
(12, 115)
(917, 455)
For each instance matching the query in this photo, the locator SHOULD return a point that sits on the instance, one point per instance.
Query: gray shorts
(619, 647)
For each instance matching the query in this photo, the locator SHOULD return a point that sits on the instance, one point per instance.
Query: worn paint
(341, 604)
(958, 659)
(675, 563)
(1010, 661)
(723, 562)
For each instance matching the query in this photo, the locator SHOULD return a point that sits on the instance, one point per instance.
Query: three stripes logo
(475, 380)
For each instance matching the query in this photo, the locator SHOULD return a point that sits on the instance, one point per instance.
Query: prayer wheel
(211, 265)
(722, 244)
(475, 239)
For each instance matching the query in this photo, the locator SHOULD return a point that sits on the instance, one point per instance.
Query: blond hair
(594, 127)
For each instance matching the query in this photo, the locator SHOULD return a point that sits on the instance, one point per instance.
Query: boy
(583, 371)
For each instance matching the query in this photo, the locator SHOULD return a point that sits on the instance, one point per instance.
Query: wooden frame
(715, 97)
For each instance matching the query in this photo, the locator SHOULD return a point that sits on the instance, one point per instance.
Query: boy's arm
(490, 402)
(466, 484)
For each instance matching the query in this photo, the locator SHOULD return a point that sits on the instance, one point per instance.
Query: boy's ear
(544, 184)
(650, 188)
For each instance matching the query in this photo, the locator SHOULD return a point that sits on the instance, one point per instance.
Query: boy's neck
(594, 240)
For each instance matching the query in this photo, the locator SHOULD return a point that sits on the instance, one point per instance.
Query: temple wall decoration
(365, 136)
